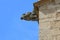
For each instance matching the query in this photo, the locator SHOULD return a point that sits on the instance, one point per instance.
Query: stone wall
(49, 23)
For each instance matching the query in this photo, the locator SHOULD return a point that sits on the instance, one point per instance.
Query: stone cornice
(43, 2)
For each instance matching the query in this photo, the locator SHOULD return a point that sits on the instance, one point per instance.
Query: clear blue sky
(11, 27)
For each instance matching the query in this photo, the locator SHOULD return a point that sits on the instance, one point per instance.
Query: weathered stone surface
(49, 23)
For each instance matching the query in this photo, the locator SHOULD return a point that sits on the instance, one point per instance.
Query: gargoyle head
(26, 16)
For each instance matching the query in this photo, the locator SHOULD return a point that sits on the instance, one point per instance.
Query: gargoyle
(30, 16)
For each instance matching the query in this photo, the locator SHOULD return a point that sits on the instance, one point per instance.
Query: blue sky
(11, 27)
